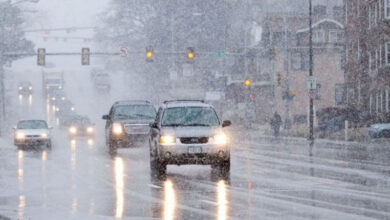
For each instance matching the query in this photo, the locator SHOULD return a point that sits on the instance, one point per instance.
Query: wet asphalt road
(270, 179)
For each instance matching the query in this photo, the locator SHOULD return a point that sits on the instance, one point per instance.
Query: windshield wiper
(201, 125)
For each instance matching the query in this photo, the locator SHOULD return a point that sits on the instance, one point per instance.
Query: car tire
(48, 146)
(384, 134)
(224, 166)
(112, 148)
(158, 167)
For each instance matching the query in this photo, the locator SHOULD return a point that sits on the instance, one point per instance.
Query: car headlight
(90, 129)
(63, 98)
(20, 135)
(44, 135)
(117, 128)
(57, 109)
(30, 88)
(54, 98)
(20, 88)
(73, 130)
(220, 139)
(72, 108)
(167, 139)
(60, 87)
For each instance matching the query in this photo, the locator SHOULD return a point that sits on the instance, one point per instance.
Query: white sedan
(379, 130)
(32, 133)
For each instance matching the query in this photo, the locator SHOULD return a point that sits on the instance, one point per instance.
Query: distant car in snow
(32, 133)
(25, 88)
(81, 126)
(380, 129)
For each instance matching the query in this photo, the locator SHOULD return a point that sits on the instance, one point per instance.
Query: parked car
(380, 129)
(25, 88)
(32, 133)
(188, 132)
(128, 123)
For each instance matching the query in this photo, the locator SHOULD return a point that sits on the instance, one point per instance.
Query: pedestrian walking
(276, 122)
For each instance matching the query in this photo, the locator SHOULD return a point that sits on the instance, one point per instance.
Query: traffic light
(190, 53)
(247, 82)
(149, 54)
(41, 57)
(85, 56)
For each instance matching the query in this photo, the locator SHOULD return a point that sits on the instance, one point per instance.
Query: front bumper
(193, 153)
(126, 140)
(31, 141)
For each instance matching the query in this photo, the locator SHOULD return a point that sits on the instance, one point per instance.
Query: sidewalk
(264, 132)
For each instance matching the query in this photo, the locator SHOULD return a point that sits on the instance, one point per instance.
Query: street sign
(124, 51)
(312, 93)
(219, 53)
(311, 83)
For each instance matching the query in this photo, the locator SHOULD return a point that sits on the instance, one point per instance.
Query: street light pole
(311, 110)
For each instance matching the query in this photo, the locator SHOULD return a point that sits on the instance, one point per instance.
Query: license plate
(194, 150)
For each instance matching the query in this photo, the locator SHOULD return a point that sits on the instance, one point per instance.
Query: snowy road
(269, 179)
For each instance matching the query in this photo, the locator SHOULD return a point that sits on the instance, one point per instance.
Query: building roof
(320, 22)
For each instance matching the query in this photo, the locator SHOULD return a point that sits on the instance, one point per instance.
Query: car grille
(194, 140)
(137, 129)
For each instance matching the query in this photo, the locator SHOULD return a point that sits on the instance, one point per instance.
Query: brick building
(367, 69)
(328, 53)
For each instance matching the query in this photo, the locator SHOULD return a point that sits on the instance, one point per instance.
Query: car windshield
(190, 116)
(53, 81)
(134, 111)
(81, 121)
(32, 124)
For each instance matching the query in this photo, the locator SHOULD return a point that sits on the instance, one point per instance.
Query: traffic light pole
(286, 80)
(311, 110)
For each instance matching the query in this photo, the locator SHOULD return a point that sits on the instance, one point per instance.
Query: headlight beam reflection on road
(119, 187)
(169, 200)
(222, 200)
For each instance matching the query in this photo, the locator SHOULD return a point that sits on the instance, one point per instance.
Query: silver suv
(188, 132)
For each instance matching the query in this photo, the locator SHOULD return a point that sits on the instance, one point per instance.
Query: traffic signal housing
(247, 82)
(190, 53)
(85, 56)
(149, 54)
(281, 79)
(41, 58)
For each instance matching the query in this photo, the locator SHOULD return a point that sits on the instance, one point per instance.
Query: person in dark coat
(276, 122)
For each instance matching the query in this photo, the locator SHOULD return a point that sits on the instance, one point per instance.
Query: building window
(358, 49)
(336, 36)
(369, 61)
(380, 55)
(369, 17)
(376, 59)
(375, 14)
(387, 9)
(318, 92)
(319, 36)
(370, 103)
(300, 61)
(387, 53)
(340, 95)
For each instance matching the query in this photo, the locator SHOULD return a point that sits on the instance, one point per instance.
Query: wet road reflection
(20, 169)
(169, 200)
(222, 200)
(21, 206)
(119, 187)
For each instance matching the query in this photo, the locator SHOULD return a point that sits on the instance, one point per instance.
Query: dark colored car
(127, 123)
(81, 126)
(25, 88)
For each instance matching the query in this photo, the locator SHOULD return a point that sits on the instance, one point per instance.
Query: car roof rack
(184, 100)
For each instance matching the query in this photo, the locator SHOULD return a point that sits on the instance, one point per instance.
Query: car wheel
(112, 148)
(385, 134)
(48, 145)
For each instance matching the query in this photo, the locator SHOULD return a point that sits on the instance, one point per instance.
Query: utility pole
(286, 81)
(311, 110)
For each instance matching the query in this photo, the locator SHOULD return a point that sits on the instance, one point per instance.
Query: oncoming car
(25, 88)
(188, 132)
(32, 133)
(127, 123)
(81, 126)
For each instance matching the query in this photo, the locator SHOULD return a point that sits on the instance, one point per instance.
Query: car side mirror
(106, 117)
(226, 123)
